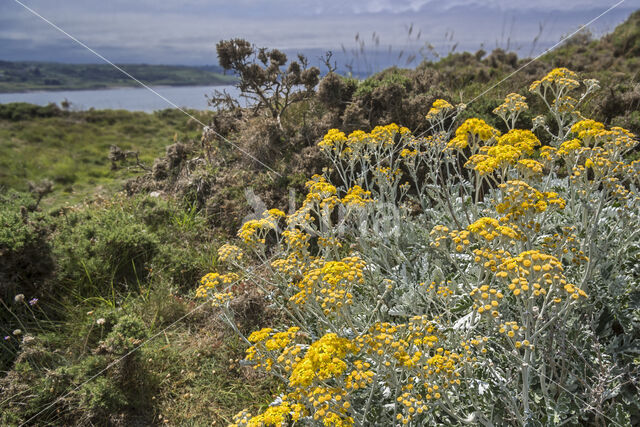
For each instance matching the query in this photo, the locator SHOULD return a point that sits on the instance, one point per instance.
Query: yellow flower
(323, 360)
(439, 106)
(356, 197)
(513, 104)
(470, 130)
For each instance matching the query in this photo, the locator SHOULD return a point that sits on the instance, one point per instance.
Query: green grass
(72, 149)
(25, 76)
(132, 262)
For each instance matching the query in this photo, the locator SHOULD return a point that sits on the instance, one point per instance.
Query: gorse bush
(81, 288)
(103, 246)
(482, 277)
(49, 375)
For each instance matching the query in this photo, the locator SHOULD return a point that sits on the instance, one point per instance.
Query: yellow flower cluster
(406, 152)
(229, 253)
(360, 377)
(387, 175)
(587, 129)
(329, 283)
(386, 134)
(218, 299)
(533, 274)
(529, 167)
(522, 201)
(280, 415)
(619, 138)
(333, 138)
(356, 197)
(565, 104)
(490, 259)
(563, 78)
(443, 290)
(269, 346)
(319, 188)
(567, 148)
(459, 237)
(276, 341)
(411, 345)
(297, 241)
(564, 243)
(487, 300)
(471, 132)
(212, 280)
(523, 140)
(413, 348)
(289, 266)
(513, 104)
(393, 341)
(261, 335)
(322, 195)
(352, 146)
(253, 232)
(490, 229)
(509, 148)
(323, 360)
(440, 106)
(329, 404)
(510, 329)
(593, 133)
(329, 242)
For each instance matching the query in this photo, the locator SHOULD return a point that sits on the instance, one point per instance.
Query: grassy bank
(72, 148)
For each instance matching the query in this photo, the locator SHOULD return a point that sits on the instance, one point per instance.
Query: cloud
(186, 31)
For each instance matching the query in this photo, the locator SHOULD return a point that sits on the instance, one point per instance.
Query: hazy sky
(185, 31)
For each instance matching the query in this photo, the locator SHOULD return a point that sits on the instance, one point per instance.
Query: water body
(132, 99)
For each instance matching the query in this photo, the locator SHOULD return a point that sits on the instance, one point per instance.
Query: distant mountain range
(27, 76)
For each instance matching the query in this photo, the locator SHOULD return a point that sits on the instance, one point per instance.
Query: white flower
(591, 84)
(100, 321)
(538, 121)
(19, 298)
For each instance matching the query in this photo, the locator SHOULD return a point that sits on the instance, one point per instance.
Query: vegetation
(262, 78)
(72, 148)
(24, 76)
(101, 324)
(82, 288)
(456, 278)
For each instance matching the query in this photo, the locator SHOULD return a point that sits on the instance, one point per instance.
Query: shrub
(263, 78)
(335, 91)
(26, 263)
(101, 248)
(454, 278)
(81, 390)
(17, 111)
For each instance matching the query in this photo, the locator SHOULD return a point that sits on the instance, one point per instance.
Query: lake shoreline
(130, 98)
(103, 87)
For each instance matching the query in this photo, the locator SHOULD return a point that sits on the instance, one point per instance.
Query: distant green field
(71, 148)
(25, 76)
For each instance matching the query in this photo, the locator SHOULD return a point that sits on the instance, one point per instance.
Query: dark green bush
(26, 263)
(81, 386)
(102, 248)
(17, 111)
(389, 77)
(336, 91)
